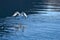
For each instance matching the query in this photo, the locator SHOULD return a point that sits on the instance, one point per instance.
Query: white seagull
(20, 14)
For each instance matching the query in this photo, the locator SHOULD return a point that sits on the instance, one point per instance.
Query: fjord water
(37, 27)
(44, 25)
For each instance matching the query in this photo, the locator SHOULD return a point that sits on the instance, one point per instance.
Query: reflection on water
(46, 6)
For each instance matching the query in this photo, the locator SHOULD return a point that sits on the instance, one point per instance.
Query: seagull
(16, 13)
(24, 14)
(20, 14)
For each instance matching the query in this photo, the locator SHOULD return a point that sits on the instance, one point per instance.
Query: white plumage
(20, 14)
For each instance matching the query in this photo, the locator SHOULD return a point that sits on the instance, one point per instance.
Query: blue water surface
(36, 27)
